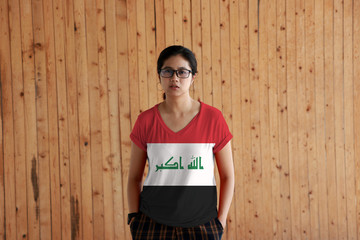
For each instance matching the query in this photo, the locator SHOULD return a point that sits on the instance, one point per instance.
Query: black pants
(143, 227)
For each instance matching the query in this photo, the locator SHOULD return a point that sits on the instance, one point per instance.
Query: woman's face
(175, 86)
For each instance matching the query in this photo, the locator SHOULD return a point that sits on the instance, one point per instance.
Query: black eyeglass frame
(176, 72)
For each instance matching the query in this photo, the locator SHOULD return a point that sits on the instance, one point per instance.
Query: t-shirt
(180, 187)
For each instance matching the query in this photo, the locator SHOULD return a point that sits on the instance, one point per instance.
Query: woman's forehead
(176, 61)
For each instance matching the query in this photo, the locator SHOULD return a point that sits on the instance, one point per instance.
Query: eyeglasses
(181, 73)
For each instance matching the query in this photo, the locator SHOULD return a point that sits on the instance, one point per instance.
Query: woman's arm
(225, 166)
(136, 171)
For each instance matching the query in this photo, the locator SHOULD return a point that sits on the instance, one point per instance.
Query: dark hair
(177, 50)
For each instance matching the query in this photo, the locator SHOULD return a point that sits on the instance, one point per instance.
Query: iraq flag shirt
(180, 188)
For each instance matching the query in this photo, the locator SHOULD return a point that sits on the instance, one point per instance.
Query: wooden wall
(75, 74)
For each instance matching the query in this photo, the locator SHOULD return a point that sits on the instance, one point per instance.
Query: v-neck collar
(184, 128)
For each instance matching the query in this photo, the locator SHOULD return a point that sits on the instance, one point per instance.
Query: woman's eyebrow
(182, 68)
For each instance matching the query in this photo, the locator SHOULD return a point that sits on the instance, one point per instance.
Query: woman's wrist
(222, 220)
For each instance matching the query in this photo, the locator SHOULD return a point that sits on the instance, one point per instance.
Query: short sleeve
(137, 134)
(222, 133)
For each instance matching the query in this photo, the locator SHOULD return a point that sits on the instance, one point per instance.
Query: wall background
(75, 74)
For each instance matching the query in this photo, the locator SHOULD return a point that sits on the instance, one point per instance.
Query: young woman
(181, 138)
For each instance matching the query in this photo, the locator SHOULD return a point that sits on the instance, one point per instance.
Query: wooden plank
(121, 170)
(7, 169)
(31, 154)
(196, 47)
(186, 12)
(96, 147)
(160, 26)
(206, 51)
(53, 116)
(19, 120)
(313, 168)
(60, 42)
(226, 93)
(266, 187)
(177, 18)
(216, 62)
(329, 119)
(233, 84)
(320, 118)
(246, 120)
(42, 120)
(169, 22)
(133, 60)
(2, 186)
(84, 117)
(302, 127)
(113, 86)
(294, 100)
(73, 121)
(152, 76)
(293, 45)
(237, 142)
(114, 158)
(142, 55)
(305, 108)
(285, 197)
(349, 120)
(273, 124)
(215, 53)
(105, 122)
(356, 75)
(225, 60)
(339, 118)
(256, 171)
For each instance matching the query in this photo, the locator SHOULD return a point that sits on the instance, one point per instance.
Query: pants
(143, 227)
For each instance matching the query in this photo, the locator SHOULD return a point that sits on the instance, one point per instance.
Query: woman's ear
(193, 78)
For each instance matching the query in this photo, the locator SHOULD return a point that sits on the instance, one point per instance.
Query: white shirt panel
(180, 164)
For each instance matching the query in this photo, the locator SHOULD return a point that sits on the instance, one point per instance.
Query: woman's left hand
(225, 166)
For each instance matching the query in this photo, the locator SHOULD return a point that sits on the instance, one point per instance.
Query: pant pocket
(134, 225)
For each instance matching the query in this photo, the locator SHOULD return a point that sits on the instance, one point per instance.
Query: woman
(180, 138)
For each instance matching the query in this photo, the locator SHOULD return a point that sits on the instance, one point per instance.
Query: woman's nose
(174, 77)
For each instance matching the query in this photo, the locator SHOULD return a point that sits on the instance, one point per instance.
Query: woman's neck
(178, 105)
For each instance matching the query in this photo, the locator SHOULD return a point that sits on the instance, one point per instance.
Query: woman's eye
(182, 72)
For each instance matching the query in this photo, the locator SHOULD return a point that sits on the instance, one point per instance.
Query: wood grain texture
(42, 119)
(19, 120)
(8, 199)
(76, 74)
(49, 36)
(320, 119)
(31, 153)
(275, 170)
(356, 78)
